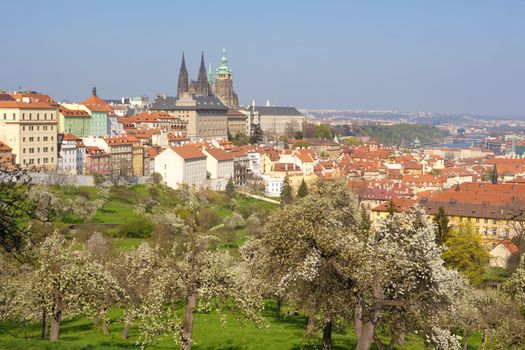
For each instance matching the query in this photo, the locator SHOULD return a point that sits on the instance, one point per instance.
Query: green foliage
(98, 179)
(323, 131)
(399, 133)
(257, 134)
(156, 178)
(301, 144)
(136, 228)
(240, 139)
(352, 141)
(442, 225)
(230, 189)
(286, 191)
(303, 190)
(466, 253)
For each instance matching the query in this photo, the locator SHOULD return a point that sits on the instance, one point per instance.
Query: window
(494, 231)
(477, 220)
(14, 116)
(494, 221)
(31, 139)
(486, 221)
(38, 116)
(5, 116)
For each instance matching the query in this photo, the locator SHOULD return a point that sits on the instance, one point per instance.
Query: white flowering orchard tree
(400, 274)
(135, 270)
(322, 256)
(64, 283)
(203, 278)
(299, 254)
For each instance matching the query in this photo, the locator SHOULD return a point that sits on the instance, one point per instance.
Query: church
(208, 108)
(205, 86)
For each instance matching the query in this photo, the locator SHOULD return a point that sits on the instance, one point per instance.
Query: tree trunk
(358, 317)
(187, 323)
(105, 328)
(55, 326)
(310, 327)
(44, 324)
(278, 306)
(327, 335)
(125, 332)
(366, 336)
(465, 341)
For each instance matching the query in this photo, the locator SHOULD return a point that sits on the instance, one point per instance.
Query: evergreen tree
(257, 134)
(286, 191)
(303, 190)
(441, 220)
(230, 189)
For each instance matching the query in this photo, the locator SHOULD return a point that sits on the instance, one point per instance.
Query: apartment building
(220, 167)
(181, 165)
(72, 154)
(28, 124)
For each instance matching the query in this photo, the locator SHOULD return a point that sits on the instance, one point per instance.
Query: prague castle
(204, 86)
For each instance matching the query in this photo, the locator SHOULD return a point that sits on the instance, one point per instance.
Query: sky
(449, 56)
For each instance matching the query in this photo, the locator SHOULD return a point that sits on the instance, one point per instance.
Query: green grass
(209, 333)
(495, 274)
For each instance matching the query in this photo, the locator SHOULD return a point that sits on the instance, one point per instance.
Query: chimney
(94, 91)
(267, 102)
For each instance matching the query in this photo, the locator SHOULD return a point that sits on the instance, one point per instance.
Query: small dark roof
(269, 110)
(6, 97)
(202, 103)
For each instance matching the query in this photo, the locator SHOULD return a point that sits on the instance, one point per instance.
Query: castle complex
(204, 86)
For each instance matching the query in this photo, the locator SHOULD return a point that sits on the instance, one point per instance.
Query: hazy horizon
(457, 57)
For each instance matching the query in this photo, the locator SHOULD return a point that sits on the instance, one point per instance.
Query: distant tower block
(224, 83)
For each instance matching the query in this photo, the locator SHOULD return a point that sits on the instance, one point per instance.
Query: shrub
(136, 228)
(208, 218)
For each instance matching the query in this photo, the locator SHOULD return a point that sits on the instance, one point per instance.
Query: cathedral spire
(203, 88)
(182, 86)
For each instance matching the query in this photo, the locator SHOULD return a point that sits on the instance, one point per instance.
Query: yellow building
(29, 126)
(494, 222)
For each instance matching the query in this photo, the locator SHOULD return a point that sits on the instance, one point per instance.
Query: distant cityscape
(201, 136)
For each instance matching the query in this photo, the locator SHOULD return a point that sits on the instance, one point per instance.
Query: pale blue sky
(433, 55)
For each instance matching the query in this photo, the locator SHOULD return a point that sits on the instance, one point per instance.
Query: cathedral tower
(224, 83)
(182, 86)
(203, 87)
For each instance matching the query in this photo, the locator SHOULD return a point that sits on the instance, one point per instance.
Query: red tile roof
(188, 152)
(24, 105)
(219, 154)
(4, 147)
(66, 112)
(71, 137)
(96, 104)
